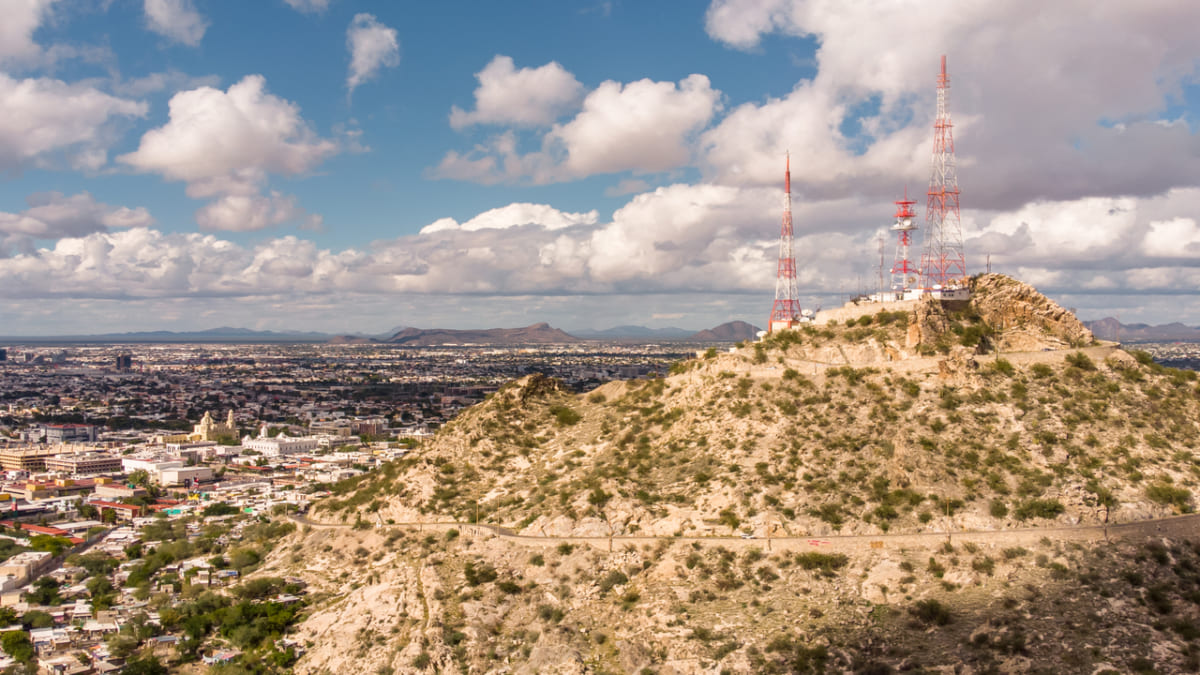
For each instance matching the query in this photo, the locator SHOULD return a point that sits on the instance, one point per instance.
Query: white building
(280, 445)
(181, 475)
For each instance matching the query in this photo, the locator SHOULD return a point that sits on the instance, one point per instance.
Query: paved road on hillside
(1176, 526)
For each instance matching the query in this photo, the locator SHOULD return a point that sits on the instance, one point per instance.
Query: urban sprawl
(140, 483)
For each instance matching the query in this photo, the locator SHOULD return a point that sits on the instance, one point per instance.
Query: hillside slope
(896, 422)
(842, 429)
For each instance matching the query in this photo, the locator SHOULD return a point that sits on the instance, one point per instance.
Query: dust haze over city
(597, 337)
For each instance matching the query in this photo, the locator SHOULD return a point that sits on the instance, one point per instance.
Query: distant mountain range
(222, 334)
(538, 333)
(1109, 328)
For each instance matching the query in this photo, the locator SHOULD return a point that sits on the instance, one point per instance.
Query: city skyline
(341, 166)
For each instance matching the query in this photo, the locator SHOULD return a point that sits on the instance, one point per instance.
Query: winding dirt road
(1176, 526)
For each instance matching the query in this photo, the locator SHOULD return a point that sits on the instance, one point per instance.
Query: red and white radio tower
(786, 310)
(942, 263)
(904, 273)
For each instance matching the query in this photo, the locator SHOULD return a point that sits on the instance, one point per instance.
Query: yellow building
(206, 430)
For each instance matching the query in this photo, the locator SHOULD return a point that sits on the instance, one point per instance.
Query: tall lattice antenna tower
(904, 273)
(942, 263)
(786, 309)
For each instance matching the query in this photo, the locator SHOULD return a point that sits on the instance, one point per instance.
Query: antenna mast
(942, 263)
(786, 309)
(904, 273)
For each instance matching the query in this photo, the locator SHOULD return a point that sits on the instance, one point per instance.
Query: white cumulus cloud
(176, 20)
(643, 126)
(309, 6)
(44, 118)
(225, 144)
(516, 215)
(1056, 114)
(20, 19)
(247, 212)
(372, 46)
(52, 215)
(521, 97)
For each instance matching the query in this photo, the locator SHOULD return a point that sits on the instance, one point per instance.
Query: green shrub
(998, 509)
(613, 578)
(1169, 495)
(220, 509)
(830, 513)
(1143, 357)
(935, 568)
(1039, 508)
(1014, 552)
(565, 416)
(827, 563)
(931, 612)
(985, 565)
(479, 574)
(1081, 361)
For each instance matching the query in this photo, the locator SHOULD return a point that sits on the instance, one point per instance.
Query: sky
(351, 166)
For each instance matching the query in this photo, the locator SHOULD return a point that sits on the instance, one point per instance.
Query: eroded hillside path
(1175, 526)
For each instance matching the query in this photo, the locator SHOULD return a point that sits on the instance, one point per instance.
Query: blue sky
(353, 166)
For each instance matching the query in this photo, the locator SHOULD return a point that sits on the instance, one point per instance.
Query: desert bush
(1039, 508)
(565, 416)
(931, 612)
(1170, 495)
(1081, 361)
(827, 563)
(1002, 366)
(613, 578)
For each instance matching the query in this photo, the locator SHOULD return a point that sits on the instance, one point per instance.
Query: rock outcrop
(1023, 318)
(927, 323)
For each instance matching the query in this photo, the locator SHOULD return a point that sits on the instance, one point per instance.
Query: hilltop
(733, 331)
(538, 333)
(930, 420)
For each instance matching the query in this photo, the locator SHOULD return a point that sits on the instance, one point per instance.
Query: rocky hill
(698, 523)
(1109, 328)
(538, 333)
(733, 331)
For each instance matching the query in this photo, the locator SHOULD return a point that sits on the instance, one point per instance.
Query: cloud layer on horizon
(1076, 174)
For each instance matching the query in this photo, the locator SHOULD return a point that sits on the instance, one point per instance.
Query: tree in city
(16, 643)
(47, 542)
(45, 592)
